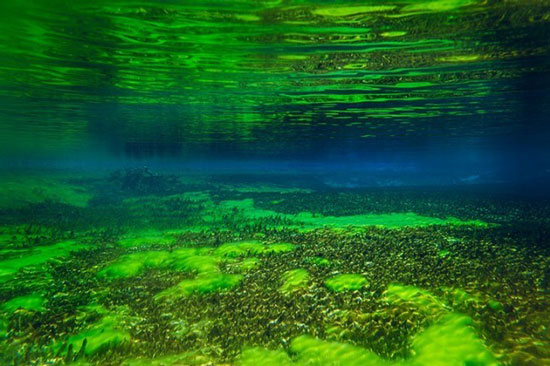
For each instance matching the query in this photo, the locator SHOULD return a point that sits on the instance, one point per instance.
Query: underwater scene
(275, 182)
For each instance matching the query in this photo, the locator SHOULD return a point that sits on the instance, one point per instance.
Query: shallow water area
(213, 274)
(274, 182)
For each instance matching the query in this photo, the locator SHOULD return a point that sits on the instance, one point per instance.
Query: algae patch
(204, 283)
(244, 210)
(19, 259)
(18, 191)
(108, 332)
(293, 280)
(32, 302)
(345, 282)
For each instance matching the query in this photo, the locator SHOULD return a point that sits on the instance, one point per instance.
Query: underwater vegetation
(228, 275)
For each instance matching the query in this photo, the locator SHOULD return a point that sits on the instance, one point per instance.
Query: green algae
(4, 324)
(237, 249)
(247, 248)
(100, 336)
(249, 263)
(436, 6)
(318, 261)
(196, 263)
(342, 11)
(182, 359)
(278, 248)
(32, 302)
(147, 240)
(345, 282)
(264, 188)
(495, 305)
(420, 298)
(312, 351)
(134, 264)
(18, 191)
(185, 259)
(246, 211)
(460, 297)
(451, 341)
(391, 220)
(392, 34)
(35, 257)
(444, 253)
(293, 280)
(204, 283)
(198, 260)
(257, 355)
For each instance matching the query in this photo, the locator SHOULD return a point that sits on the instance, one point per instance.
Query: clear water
(284, 182)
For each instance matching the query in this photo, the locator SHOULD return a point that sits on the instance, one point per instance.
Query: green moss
(202, 284)
(19, 259)
(33, 302)
(294, 280)
(345, 282)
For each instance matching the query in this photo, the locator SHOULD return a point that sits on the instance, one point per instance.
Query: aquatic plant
(32, 302)
(452, 341)
(418, 297)
(202, 284)
(18, 191)
(294, 280)
(346, 282)
(35, 257)
(106, 333)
